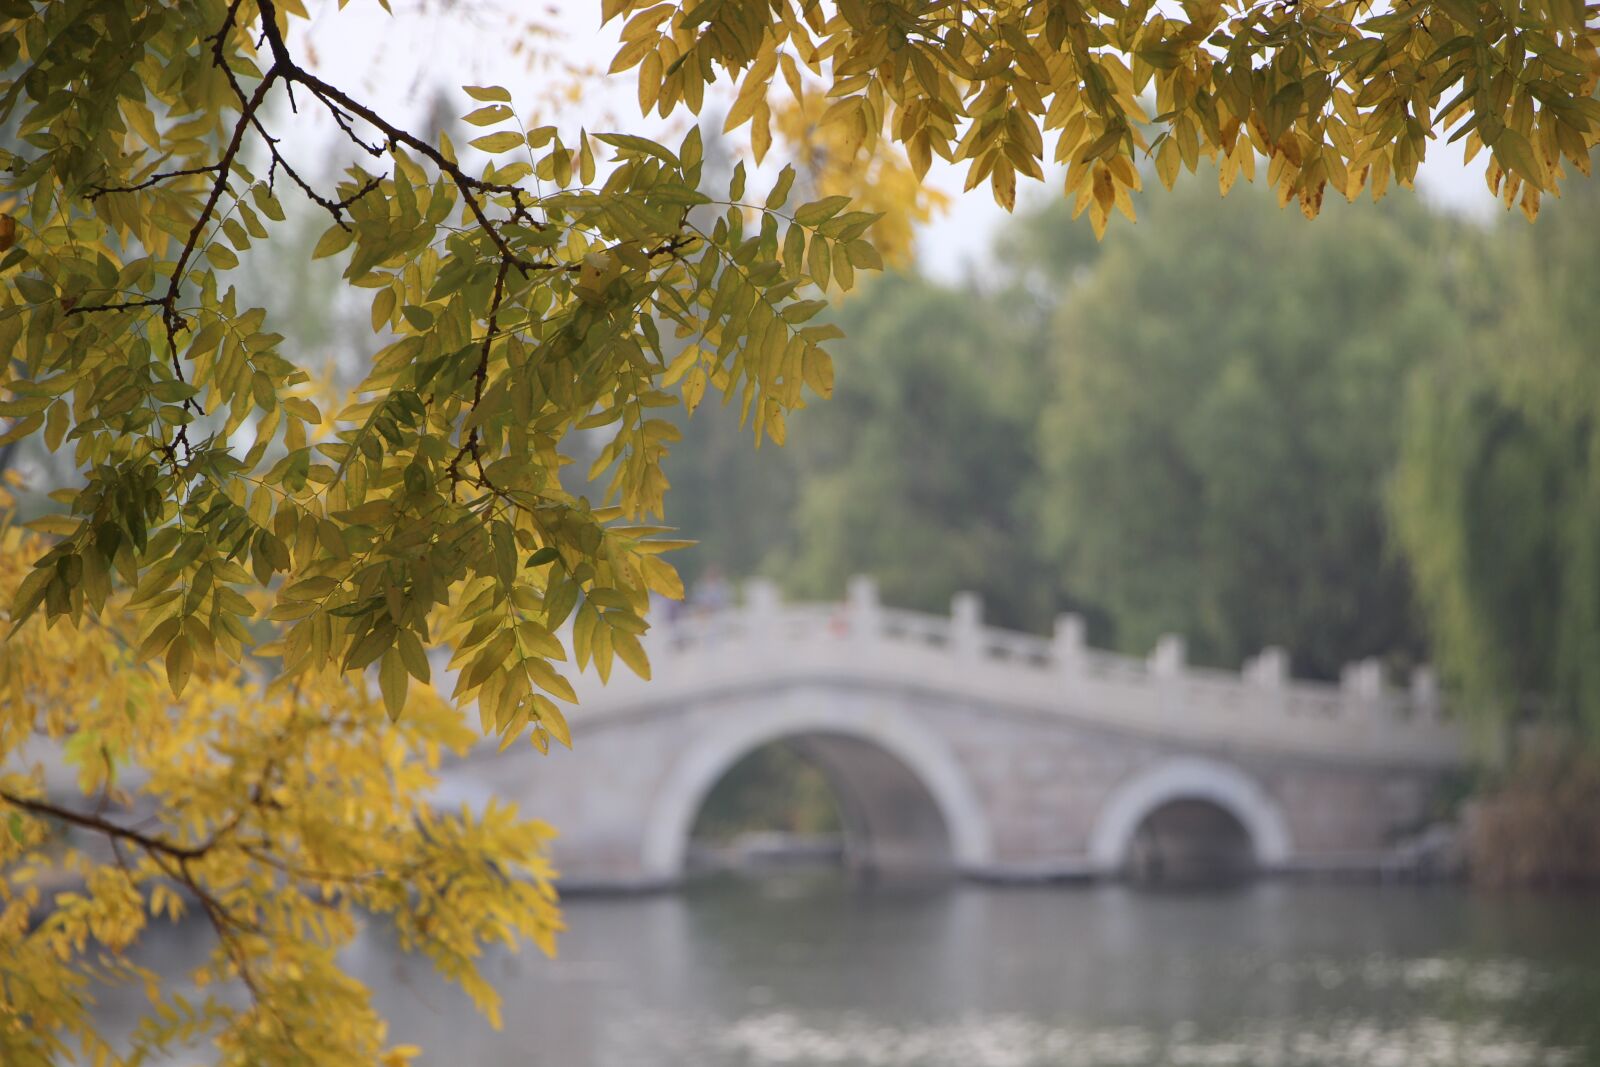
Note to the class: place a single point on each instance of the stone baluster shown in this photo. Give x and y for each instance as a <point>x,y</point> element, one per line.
<point>1361,684</point>
<point>1267,669</point>
<point>1067,644</point>
<point>762,603</point>
<point>1425,706</point>
<point>966,625</point>
<point>865,613</point>
<point>1170,656</point>
<point>1267,675</point>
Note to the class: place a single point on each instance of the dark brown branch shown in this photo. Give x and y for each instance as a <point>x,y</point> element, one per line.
<point>371,184</point>
<point>171,319</point>
<point>277,159</point>
<point>157,845</point>
<point>336,99</point>
<point>343,122</point>
<point>124,305</point>
<point>154,179</point>
<point>344,109</point>
<point>481,377</point>
<point>224,165</point>
<point>172,860</point>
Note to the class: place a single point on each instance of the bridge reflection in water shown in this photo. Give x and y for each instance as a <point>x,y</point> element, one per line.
<point>958,747</point>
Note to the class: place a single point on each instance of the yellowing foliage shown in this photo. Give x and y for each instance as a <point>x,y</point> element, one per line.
<point>551,296</point>
<point>1333,93</point>
<point>835,161</point>
<point>281,815</point>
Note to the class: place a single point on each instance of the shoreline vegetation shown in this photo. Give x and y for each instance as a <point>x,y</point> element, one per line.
<point>1538,824</point>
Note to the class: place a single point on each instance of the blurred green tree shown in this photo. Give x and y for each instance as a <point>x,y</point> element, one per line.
<point>1497,497</point>
<point>1225,413</point>
<point>736,502</point>
<point>915,472</point>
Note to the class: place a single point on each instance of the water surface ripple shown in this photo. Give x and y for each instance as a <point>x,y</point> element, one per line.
<point>808,970</point>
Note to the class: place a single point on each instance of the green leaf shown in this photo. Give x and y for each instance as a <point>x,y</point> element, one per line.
<point>487,116</point>
<point>413,655</point>
<point>420,318</point>
<point>335,240</point>
<point>821,211</point>
<point>801,310</point>
<point>504,141</point>
<point>487,93</point>
<point>221,256</point>
<point>393,681</point>
<point>180,664</point>
<point>780,191</point>
<point>267,202</point>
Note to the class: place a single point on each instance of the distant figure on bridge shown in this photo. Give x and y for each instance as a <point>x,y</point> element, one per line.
<point>712,593</point>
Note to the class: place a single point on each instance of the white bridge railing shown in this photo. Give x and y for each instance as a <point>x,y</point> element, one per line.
<point>962,634</point>
<point>959,654</point>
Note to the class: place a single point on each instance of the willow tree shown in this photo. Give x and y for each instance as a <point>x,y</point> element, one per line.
<point>1496,497</point>
<point>559,283</point>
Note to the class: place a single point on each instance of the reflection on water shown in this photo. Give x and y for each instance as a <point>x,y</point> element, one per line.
<point>803,969</point>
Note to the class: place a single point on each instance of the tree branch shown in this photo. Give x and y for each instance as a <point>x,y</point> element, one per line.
<point>481,376</point>
<point>149,843</point>
<point>154,179</point>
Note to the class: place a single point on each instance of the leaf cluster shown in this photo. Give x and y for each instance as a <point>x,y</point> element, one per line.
<point>565,289</point>
<point>280,817</point>
<point>1333,93</point>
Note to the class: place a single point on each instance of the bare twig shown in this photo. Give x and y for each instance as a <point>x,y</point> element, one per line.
<point>154,179</point>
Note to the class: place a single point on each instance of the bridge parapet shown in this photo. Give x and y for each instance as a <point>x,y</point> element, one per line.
<point>859,639</point>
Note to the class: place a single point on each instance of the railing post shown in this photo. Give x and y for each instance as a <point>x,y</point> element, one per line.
<point>865,613</point>
<point>1425,706</point>
<point>1067,643</point>
<point>966,625</point>
<point>762,602</point>
<point>1267,673</point>
<point>1169,657</point>
<point>1361,684</point>
<point>1267,669</point>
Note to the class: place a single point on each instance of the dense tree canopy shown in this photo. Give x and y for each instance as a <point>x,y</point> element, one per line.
<point>1218,447</point>
<point>1341,95</point>
<point>1099,432</point>
<point>920,428</point>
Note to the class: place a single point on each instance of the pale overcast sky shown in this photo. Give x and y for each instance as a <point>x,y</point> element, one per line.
<point>398,61</point>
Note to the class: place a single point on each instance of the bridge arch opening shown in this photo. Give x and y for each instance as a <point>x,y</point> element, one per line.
<point>1190,842</point>
<point>774,806</point>
<point>904,806</point>
<point>829,796</point>
<point>1190,821</point>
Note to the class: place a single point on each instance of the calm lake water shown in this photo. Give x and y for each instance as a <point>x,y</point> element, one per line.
<point>806,969</point>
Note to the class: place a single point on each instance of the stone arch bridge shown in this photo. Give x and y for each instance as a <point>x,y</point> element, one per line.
<point>994,754</point>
